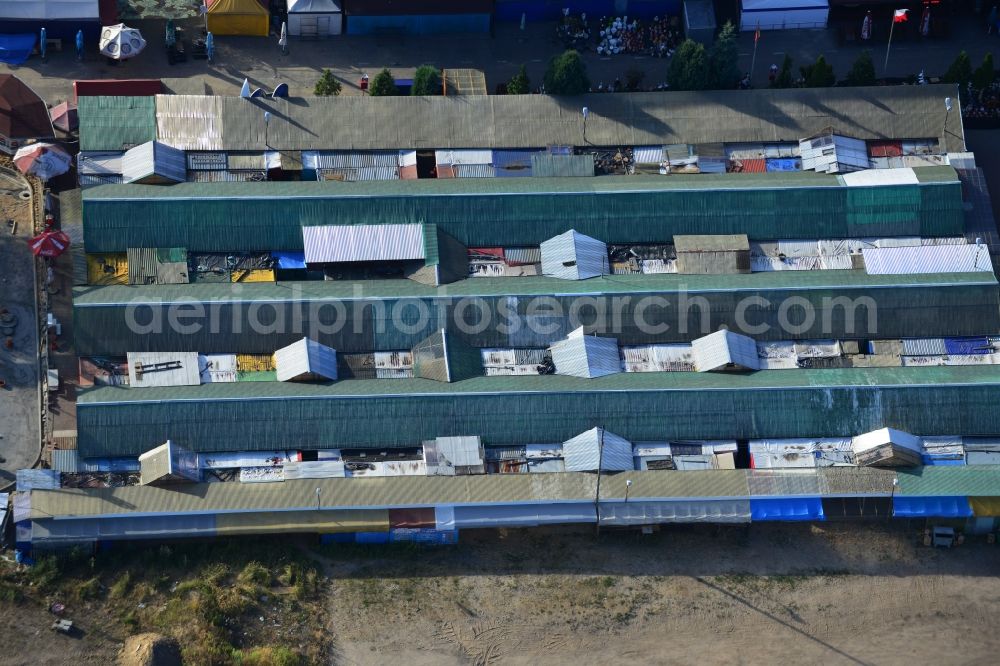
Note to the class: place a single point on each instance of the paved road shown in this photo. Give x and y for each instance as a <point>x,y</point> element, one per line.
<point>20,423</point>
<point>499,56</point>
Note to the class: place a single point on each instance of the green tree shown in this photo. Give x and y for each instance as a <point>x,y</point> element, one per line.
<point>984,74</point>
<point>784,78</point>
<point>519,84</point>
<point>567,75</point>
<point>723,59</point>
<point>327,86</point>
<point>689,67</point>
<point>426,81</point>
<point>383,85</point>
<point>819,74</point>
<point>862,71</point>
<point>960,71</point>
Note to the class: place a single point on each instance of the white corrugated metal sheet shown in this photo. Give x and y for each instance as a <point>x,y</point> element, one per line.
<point>147,369</point>
<point>66,461</point>
<point>587,356</point>
<point>446,456</point>
<point>313,469</point>
<point>832,153</point>
<point>883,436</point>
<point>207,161</point>
<point>474,171</point>
<point>583,452</point>
<point>190,122</point>
<point>456,157</point>
<point>677,357</point>
<point>154,160</point>
<point>216,368</point>
<point>725,348</point>
<point>647,154</point>
<point>229,460</point>
<point>928,259</point>
<point>349,159</point>
<point>573,256</point>
<point>925,347</point>
<point>879,177</point>
<point>305,357</point>
<point>363,242</point>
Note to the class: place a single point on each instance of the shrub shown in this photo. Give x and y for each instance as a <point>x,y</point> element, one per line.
<point>327,86</point>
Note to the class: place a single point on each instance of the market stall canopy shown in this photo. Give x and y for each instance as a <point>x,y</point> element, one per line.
<point>23,114</point>
<point>44,160</point>
<point>49,244</point>
<point>16,49</point>
<point>121,42</point>
<point>64,116</point>
<point>238,17</point>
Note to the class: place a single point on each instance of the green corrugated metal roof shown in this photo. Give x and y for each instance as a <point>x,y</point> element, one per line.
<point>552,384</point>
<point>92,296</point>
<point>514,410</point>
<point>482,212</point>
<point>971,481</point>
<point>116,123</point>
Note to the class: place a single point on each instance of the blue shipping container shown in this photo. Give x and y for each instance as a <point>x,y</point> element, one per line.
<point>418,25</point>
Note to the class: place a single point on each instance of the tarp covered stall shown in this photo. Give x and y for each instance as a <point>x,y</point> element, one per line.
<point>154,163</point>
<point>168,463</point>
<point>16,49</point>
<point>444,357</point>
<point>930,507</point>
<point>582,355</point>
<point>785,508</point>
<point>640,512</point>
<point>725,350</point>
<point>597,448</point>
<point>783,14</point>
<point>60,18</point>
<point>887,447</point>
<point>454,456</point>
<point>712,255</point>
<point>574,256</point>
<point>315,18</point>
<point>306,360</point>
<point>857,508</point>
<point>238,17</point>
<point>522,515</point>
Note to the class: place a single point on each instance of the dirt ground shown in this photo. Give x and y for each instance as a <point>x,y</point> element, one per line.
<point>769,594</point>
<point>831,594</point>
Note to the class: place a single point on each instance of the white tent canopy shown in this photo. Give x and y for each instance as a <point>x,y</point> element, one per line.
<point>315,18</point>
<point>54,10</point>
<point>121,42</point>
<point>783,14</point>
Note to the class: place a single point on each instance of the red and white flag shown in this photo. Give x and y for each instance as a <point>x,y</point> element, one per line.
<point>756,34</point>
<point>899,16</point>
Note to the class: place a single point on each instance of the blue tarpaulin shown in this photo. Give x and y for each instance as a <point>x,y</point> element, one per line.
<point>967,346</point>
<point>783,164</point>
<point>786,508</point>
<point>290,260</point>
<point>16,49</point>
<point>930,507</point>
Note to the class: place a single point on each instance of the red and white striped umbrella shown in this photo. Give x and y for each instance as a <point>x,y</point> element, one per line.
<point>49,244</point>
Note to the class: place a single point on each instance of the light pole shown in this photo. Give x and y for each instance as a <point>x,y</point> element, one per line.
<point>586,112</point>
<point>318,491</point>
<point>628,486</point>
<point>892,497</point>
<point>947,110</point>
<point>267,123</point>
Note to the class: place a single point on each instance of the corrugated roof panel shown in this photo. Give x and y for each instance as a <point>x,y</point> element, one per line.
<point>582,355</point>
<point>927,259</point>
<point>924,347</point>
<point>154,162</point>
<point>456,157</point>
<point>597,448</point>
<point>676,511</point>
<point>513,160</point>
<point>149,369</point>
<point>210,161</point>
<point>354,159</point>
<point>116,123</point>
<point>363,242</point>
<point>192,122</point>
<point>93,180</point>
<point>724,348</point>
<point>305,358</point>
<point>474,171</point>
<point>65,460</point>
<point>979,480</point>
<point>647,154</point>
<point>786,509</point>
<point>562,166</point>
<point>574,256</point>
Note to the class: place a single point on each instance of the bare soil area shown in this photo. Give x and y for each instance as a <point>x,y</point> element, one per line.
<point>766,594</point>
<point>700,595</point>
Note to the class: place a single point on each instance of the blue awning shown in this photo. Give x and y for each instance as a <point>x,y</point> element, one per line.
<point>16,49</point>
<point>930,507</point>
<point>786,508</point>
<point>290,259</point>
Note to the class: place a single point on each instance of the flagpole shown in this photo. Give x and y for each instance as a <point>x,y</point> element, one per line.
<point>753,61</point>
<point>885,67</point>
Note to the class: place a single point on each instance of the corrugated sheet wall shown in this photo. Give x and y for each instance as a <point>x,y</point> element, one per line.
<point>477,220</point>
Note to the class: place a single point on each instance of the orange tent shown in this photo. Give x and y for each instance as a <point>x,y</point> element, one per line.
<point>238,17</point>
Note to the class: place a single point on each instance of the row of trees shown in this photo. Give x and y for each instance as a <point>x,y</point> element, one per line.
<point>693,67</point>
<point>426,81</point>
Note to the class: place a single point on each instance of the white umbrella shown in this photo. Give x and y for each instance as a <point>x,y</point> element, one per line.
<point>44,160</point>
<point>121,42</point>
<point>245,89</point>
<point>283,40</point>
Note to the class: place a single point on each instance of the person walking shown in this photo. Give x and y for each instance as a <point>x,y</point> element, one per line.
<point>772,73</point>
